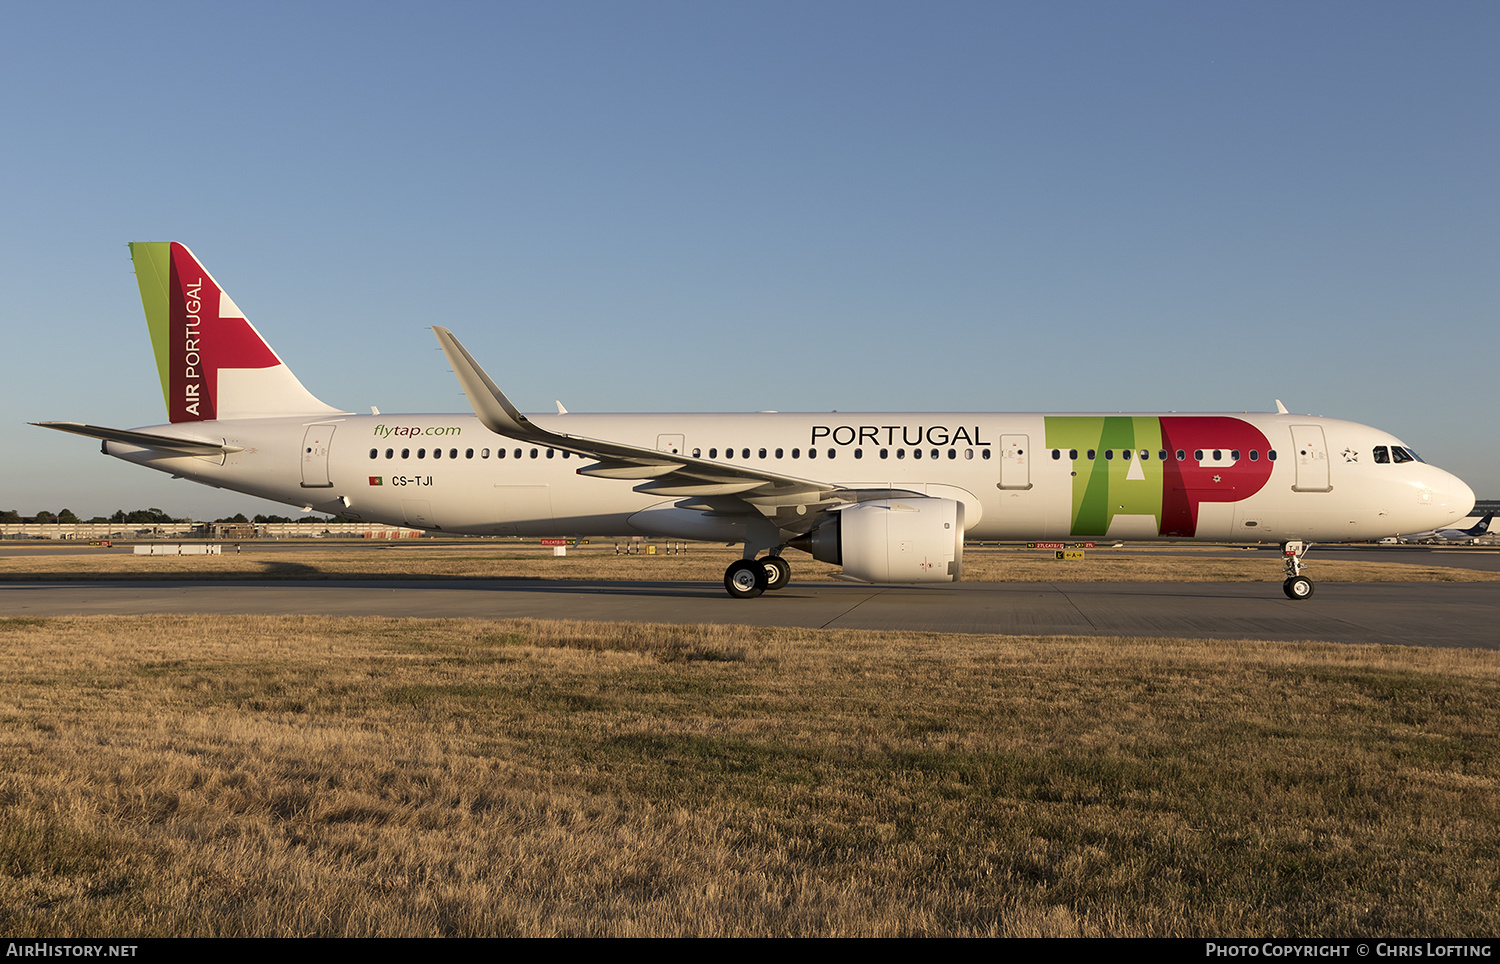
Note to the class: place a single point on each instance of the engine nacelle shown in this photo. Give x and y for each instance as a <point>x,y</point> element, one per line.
<point>893,540</point>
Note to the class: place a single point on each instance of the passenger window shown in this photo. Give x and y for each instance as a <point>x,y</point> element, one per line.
<point>1109,455</point>
<point>778,453</point>
<point>406,453</point>
<point>916,453</point>
<point>421,453</point>
<point>389,453</point>
<point>859,453</point>
<point>832,452</point>
<point>1161,456</point>
<point>1181,455</point>
<point>968,453</point>
<point>374,453</point>
<point>1255,455</point>
<point>901,453</point>
<point>796,453</point>
<point>1091,454</point>
<point>812,453</point>
<point>984,453</point>
<point>885,453</point>
<point>1271,455</point>
<point>1234,454</point>
<point>745,454</point>
<point>436,453</point>
<point>485,453</point>
<point>468,453</point>
<point>762,453</point>
<point>533,453</point>
<point>1197,455</point>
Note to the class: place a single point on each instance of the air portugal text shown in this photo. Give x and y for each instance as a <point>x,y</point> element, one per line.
<point>191,359</point>
<point>910,435</point>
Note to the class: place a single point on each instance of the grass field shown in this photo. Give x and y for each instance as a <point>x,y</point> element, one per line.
<point>305,776</point>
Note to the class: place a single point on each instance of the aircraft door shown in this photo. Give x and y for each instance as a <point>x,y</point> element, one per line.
<point>1015,462</point>
<point>1311,453</point>
<point>317,441</point>
<point>669,443</point>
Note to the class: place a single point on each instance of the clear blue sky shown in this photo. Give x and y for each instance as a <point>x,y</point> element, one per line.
<point>662,206</point>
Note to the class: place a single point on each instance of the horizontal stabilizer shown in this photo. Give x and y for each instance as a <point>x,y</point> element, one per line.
<point>146,440</point>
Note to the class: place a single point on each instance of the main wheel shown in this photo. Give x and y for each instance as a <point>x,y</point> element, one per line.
<point>745,579</point>
<point>778,572</point>
<point>1297,587</point>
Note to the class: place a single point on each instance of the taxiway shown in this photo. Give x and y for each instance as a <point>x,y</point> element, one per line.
<point>1429,614</point>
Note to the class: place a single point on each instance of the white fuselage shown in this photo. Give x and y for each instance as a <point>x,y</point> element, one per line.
<point>1243,477</point>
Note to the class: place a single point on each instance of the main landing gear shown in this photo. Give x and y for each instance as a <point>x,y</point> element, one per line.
<point>1297,586</point>
<point>748,578</point>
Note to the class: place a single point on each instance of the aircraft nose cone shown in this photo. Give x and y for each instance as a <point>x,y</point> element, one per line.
<point>1454,496</point>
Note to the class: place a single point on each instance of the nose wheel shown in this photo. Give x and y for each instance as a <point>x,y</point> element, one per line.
<point>1296,586</point>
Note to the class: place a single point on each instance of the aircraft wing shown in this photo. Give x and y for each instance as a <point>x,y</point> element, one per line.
<point>146,440</point>
<point>668,474</point>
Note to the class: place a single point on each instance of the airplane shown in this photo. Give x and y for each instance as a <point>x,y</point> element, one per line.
<point>1472,534</point>
<point>890,497</point>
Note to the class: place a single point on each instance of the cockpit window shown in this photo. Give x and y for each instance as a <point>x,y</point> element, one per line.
<point>1381,455</point>
<point>1399,454</point>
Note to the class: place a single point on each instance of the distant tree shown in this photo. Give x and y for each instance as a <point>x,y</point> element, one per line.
<point>44,517</point>
<point>141,517</point>
<point>238,517</point>
<point>10,515</point>
<point>67,516</point>
<point>272,518</point>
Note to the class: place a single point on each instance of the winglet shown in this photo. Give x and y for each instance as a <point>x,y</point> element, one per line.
<point>1280,408</point>
<point>494,410</point>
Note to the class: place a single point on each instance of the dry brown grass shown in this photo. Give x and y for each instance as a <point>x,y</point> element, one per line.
<point>702,563</point>
<point>307,776</point>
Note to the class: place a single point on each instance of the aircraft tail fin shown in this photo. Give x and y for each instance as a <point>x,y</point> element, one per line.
<point>212,362</point>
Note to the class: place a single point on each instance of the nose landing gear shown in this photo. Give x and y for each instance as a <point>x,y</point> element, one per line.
<point>1296,586</point>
